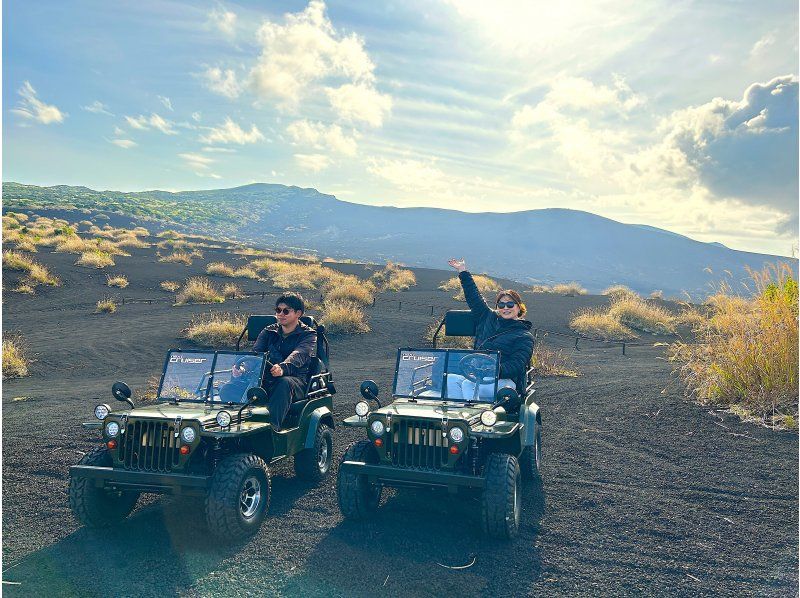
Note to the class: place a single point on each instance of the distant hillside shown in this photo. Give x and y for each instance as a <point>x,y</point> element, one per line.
<point>542,246</point>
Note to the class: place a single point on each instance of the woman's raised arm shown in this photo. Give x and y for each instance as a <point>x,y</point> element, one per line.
<point>473,296</point>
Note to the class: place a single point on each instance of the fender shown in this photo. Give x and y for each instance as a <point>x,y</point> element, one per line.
<point>529,418</point>
<point>320,414</point>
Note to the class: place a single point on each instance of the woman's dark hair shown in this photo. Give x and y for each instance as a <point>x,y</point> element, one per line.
<point>293,300</point>
<point>515,296</point>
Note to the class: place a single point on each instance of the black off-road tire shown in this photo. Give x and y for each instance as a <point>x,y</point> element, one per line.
<point>96,507</point>
<point>531,462</point>
<point>314,464</point>
<point>232,496</point>
<point>357,497</point>
<point>501,503</point>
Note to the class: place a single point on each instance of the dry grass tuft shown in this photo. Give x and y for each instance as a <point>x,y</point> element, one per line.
<point>73,244</point>
<point>599,323</point>
<point>746,354</point>
<point>568,288</point>
<point>28,245</point>
<point>199,290</point>
<point>118,280</point>
<point>357,293</point>
<point>638,314</point>
<point>15,362</point>
<point>550,363</point>
<point>25,288</point>
<point>343,318</point>
<point>170,285</point>
<point>484,284</point>
<point>232,291</point>
<point>170,234</point>
<point>106,306</point>
<point>620,291</point>
<point>657,294</point>
<point>177,257</point>
<point>220,269</point>
<point>541,288</point>
<point>393,278</point>
<point>95,259</point>
<point>215,329</point>
<point>37,273</point>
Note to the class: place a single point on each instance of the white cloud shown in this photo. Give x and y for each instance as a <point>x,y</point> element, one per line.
<point>124,143</point>
<point>223,20</point>
<point>196,116</point>
<point>230,132</point>
<point>199,164</point>
<point>312,162</point>
<point>154,121</point>
<point>304,50</point>
<point>762,44</point>
<point>98,107</point>
<point>360,103</point>
<point>320,137</point>
<point>32,108</point>
<point>223,82</point>
<point>166,102</point>
<point>118,132</point>
<point>219,150</point>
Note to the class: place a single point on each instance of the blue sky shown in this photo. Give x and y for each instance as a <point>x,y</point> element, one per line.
<point>681,115</point>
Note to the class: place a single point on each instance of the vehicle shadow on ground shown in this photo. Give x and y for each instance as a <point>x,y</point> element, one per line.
<point>423,542</point>
<point>162,549</point>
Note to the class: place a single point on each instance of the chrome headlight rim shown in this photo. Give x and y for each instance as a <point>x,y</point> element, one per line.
<point>377,427</point>
<point>112,429</point>
<point>488,418</point>
<point>456,434</point>
<point>101,411</point>
<point>362,409</point>
<point>223,419</point>
<point>188,434</point>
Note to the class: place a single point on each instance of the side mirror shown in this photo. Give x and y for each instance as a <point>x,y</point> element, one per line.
<point>507,395</point>
<point>122,392</point>
<point>369,390</point>
<point>256,394</point>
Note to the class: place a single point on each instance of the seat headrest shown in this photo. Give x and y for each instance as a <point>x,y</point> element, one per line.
<point>459,322</point>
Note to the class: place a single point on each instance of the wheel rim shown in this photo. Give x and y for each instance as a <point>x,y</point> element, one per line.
<point>322,456</point>
<point>517,503</point>
<point>250,498</point>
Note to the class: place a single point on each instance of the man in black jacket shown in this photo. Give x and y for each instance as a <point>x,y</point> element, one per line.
<point>291,346</point>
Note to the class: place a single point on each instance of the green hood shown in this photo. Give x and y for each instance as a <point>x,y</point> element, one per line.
<point>170,411</point>
<point>437,411</point>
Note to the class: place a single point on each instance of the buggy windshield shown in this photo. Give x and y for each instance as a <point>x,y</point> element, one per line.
<point>446,374</point>
<point>220,376</point>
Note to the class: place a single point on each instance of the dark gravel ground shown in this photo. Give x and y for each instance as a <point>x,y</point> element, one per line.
<point>644,493</point>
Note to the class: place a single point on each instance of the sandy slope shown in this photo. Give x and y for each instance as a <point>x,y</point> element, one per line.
<point>644,493</point>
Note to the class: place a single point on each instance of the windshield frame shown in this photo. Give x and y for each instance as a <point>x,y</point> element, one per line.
<point>209,376</point>
<point>443,398</point>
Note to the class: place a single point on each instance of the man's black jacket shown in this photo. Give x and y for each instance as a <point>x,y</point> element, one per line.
<point>511,337</point>
<point>293,351</point>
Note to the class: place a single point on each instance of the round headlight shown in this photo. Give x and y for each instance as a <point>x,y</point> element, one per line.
<point>488,418</point>
<point>112,429</point>
<point>188,434</point>
<point>377,427</point>
<point>101,411</point>
<point>224,419</point>
<point>456,434</point>
<point>362,408</point>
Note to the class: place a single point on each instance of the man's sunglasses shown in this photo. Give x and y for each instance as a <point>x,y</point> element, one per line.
<point>285,311</point>
<point>506,304</point>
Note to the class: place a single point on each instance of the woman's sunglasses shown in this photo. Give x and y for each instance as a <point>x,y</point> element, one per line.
<point>505,304</point>
<point>285,311</point>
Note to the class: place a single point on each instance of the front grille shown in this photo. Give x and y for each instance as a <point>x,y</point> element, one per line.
<point>149,445</point>
<point>418,443</point>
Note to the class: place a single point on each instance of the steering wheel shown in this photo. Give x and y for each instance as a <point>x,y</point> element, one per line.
<point>476,366</point>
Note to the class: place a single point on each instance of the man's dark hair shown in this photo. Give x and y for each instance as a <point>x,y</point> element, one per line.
<point>293,300</point>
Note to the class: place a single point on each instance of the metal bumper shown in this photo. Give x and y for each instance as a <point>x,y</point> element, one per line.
<point>399,476</point>
<point>143,481</point>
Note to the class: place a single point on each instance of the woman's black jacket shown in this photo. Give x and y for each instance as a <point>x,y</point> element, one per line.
<point>511,337</point>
